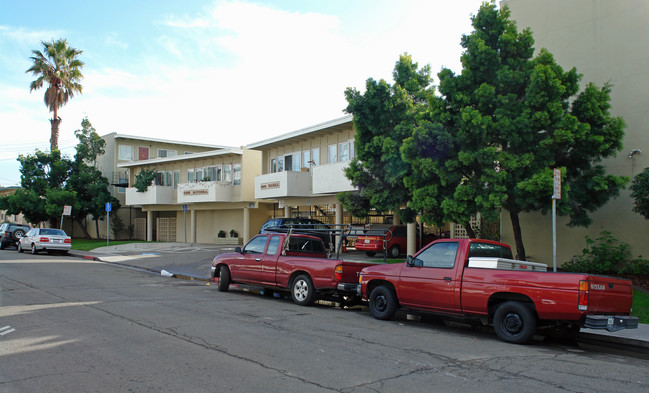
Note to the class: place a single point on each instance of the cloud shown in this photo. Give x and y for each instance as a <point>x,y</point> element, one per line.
<point>112,40</point>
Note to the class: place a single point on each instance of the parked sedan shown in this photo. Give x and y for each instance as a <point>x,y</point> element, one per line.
<point>45,239</point>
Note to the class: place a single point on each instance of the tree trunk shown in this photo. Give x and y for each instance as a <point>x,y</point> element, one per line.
<point>54,139</point>
<point>97,227</point>
<point>83,227</point>
<point>469,231</point>
<point>518,237</point>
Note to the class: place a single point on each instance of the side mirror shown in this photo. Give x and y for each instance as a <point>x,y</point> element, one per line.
<point>238,250</point>
<point>410,261</point>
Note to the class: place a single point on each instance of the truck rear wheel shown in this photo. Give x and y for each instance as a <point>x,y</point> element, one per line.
<point>514,322</point>
<point>383,302</point>
<point>302,290</point>
<point>224,278</point>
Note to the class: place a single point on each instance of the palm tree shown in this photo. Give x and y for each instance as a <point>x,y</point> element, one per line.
<point>59,66</point>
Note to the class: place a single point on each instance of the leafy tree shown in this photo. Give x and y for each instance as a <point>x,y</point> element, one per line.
<point>640,193</point>
<point>59,67</point>
<point>383,117</point>
<point>90,186</point>
<point>504,123</point>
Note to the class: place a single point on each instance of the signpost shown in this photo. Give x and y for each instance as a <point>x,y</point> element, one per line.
<point>555,196</point>
<point>108,209</point>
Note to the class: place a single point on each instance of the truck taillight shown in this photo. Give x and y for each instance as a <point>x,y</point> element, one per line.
<point>583,296</point>
<point>338,273</point>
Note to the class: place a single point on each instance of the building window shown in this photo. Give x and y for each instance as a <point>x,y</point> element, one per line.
<point>227,172</point>
<point>306,157</point>
<point>159,179</point>
<point>190,175</point>
<point>168,178</point>
<point>315,156</point>
<point>166,153</point>
<point>199,172</point>
<point>125,153</point>
<point>176,179</point>
<point>296,161</point>
<point>273,165</point>
<point>280,164</point>
<point>214,173</point>
<point>333,154</point>
<point>236,174</point>
<point>343,149</point>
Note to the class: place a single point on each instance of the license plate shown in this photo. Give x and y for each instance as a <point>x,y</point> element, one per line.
<point>58,241</point>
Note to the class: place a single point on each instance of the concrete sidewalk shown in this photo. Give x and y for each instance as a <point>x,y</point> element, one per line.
<point>150,257</point>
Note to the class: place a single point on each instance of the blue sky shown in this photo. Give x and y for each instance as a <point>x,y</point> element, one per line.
<point>219,72</point>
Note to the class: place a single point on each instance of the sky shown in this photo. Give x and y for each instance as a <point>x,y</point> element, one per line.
<point>217,72</point>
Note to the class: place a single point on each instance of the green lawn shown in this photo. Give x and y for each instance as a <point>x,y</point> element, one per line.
<point>87,245</point>
<point>641,305</point>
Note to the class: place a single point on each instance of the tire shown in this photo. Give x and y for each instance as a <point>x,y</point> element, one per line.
<point>224,278</point>
<point>18,233</point>
<point>370,253</point>
<point>302,290</point>
<point>394,251</point>
<point>383,302</point>
<point>34,250</point>
<point>514,322</point>
<point>2,245</point>
<point>20,248</point>
<point>563,331</point>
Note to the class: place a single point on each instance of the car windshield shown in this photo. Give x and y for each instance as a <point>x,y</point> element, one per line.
<point>55,232</point>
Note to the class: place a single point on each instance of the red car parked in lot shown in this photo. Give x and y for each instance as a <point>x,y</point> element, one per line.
<point>395,238</point>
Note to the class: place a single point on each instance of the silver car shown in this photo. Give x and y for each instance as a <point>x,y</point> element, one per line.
<point>45,239</point>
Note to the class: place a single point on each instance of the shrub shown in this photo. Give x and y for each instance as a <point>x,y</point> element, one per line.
<point>606,255</point>
<point>144,179</point>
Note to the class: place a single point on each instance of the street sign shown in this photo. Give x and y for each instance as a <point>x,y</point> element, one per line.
<point>557,184</point>
<point>184,208</point>
<point>108,206</point>
<point>67,210</point>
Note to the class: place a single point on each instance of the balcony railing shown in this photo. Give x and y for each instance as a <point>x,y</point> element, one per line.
<point>283,184</point>
<point>330,178</point>
<point>205,191</point>
<point>154,195</point>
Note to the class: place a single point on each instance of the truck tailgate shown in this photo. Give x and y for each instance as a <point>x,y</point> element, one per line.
<point>607,295</point>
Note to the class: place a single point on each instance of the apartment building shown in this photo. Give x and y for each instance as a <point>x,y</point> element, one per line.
<point>607,41</point>
<point>194,197</point>
<point>303,170</point>
<point>122,148</point>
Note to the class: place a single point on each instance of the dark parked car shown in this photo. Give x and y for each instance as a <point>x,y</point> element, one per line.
<point>300,225</point>
<point>10,233</point>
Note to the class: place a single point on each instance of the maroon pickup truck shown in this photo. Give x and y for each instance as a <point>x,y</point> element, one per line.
<point>477,279</point>
<point>283,262</point>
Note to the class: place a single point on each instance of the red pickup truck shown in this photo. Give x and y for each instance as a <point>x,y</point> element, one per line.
<point>282,262</point>
<point>477,279</point>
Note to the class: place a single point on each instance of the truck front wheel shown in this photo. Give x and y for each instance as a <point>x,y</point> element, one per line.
<point>383,302</point>
<point>302,290</point>
<point>224,278</point>
<point>514,322</point>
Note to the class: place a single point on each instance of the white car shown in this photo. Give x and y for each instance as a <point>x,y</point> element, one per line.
<point>45,239</point>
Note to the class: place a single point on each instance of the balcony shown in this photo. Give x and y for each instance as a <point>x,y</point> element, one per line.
<point>154,195</point>
<point>205,191</point>
<point>330,178</point>
<point>283,185</point>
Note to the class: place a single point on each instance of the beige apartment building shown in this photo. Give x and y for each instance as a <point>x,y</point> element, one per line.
<point>607,41</point>
<point>196,196</point>
<point>302,171</point>
<point>121,148</point>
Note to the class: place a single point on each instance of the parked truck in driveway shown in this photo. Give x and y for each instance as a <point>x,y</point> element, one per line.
<point>478,279</point>
<point>289,262</point>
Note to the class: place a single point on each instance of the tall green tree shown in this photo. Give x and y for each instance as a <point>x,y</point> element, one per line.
<point>383,117</point>
<point>505,122</point>
<point>58,67</point>
<point>89,184</point>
